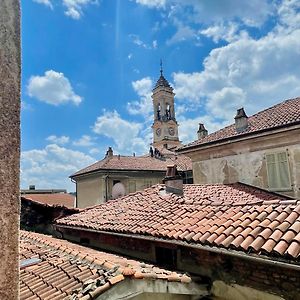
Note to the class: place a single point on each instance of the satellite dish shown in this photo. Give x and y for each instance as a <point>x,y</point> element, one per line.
<point>118,190</point>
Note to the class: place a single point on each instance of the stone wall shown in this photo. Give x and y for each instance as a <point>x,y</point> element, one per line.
<point>10,66</point>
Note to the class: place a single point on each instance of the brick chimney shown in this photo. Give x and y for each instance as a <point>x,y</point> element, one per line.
<point>241,120</point>
<point>202,131</point>
<point>173,181</point>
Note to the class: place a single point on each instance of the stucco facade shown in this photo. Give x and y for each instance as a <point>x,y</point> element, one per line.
<point>97,188</point>
<point>244,160</point>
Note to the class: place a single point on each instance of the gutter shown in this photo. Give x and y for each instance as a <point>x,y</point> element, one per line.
<point>232,253</point>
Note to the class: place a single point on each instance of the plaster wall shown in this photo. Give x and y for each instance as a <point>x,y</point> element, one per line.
<point>160,296</point>
<point>10,67</point>
<point>223,291</point>
<point>246,162</point>
<point>91,190</point>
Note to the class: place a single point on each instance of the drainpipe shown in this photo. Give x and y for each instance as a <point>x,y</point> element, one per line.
<point>72,180</point>
<point>106,187</point>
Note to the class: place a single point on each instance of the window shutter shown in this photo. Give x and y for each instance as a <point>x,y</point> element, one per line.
<point>278,171</point>
<point>271,169</point>
<point>283,171</point>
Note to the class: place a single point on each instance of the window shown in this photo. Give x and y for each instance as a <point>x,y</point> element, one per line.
<point>166,257</point>
<point>278,171</point>
<point>132,186</point>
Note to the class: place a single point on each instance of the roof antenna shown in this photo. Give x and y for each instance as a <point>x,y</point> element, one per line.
<point>161,68</point>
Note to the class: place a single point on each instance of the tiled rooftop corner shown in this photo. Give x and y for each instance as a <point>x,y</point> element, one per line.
<point>231,216</point>
<point>284,114</point>
<point>57,269</point>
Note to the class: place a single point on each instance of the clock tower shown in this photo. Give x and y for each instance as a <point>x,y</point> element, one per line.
<point>165,126</point>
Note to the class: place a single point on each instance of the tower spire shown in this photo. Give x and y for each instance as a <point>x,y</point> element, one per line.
<point>161,68</point>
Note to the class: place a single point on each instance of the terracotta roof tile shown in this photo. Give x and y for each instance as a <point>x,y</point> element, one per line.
<point>286,113</point>
<point>252,228</point>
<point>65,270</point>
<point>57,199</point>
<point>140,163</point>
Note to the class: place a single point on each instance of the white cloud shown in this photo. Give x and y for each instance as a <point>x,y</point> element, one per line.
<point>137,41</point>
<point>53,88</point>
<point>183,33</point>
<point>188,127</point>
<point>143,88</point>
<point>254,73</point>
<point>223,31</point>
<point>125,134</point>
<point>50,167</point>
<point>84,141</point>
<point>45,2</point>
<point>61,140</point>
<point>154,44</point>
<point>74,8</point>
<point>210,11</point>
<point>152,3</point>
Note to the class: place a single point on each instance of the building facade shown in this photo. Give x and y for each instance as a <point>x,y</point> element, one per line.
<point>118,175</point>
<point>261,150</point>
<point>241,240</point>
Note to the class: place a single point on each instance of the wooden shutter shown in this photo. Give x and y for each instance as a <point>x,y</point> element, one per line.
<point>278,171</point>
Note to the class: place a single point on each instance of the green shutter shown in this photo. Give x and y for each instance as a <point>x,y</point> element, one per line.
<point>278,171</point>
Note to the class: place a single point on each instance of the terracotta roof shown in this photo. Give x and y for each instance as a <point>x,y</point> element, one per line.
<point>57,269</point>
<point>231,216</point>
<point>283,114</point>
<point>56,199</point>
<point>138,163</point>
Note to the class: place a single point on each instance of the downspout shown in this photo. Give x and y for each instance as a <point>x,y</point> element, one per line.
<point>106,187</point>
<point>74,181</point>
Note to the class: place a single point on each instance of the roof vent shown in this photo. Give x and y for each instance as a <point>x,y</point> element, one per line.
<point>109,152</point>
<point>202,131</point>
<point>173,180</point>
<point>241,120</point>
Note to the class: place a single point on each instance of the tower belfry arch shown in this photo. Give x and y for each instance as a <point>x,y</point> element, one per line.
<point>165,126</point>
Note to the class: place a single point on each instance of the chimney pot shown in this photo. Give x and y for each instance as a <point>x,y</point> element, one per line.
<point>241,120</point>
<point>173,180</point>
<point>202,131</point>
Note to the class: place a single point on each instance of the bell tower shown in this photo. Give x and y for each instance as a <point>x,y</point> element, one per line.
<point>165,126</point>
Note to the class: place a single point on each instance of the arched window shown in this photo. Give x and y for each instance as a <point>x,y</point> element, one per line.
<point>158,112</point>
<point>168,112</point>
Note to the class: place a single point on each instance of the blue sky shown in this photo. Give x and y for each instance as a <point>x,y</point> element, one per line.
<point>89,67</point>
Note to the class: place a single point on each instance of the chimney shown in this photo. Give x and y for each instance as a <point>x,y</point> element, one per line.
<point>241,120</point>
<point>202,131</point>
<point>173,181</point>
<point>109,152</point>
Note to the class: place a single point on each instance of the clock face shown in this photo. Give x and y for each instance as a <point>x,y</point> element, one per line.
<point>158,131</point>
<point>171,131</point>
